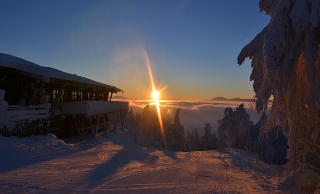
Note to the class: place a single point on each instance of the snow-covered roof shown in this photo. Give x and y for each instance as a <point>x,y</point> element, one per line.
<point>20,64</point>
<point>57,74</point>
<point>46,73</point>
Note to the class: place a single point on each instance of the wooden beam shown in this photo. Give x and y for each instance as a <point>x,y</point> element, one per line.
<point>111,96</point>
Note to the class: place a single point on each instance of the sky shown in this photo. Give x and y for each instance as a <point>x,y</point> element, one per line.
<point>192,45</point>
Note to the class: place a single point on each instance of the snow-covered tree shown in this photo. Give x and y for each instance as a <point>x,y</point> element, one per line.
<point>208,138</point>
<point>215,141</point>
<point>286,65</point>
<point>179,132</point>
<point>188,142</point>
<point>130,122</point>
<point>146,131</point>
<point>233,128</point>
<point>252,134</point>
<point>271,146</point>
<point>145,121</point>
<point>175,135</point>
<point>176,120</point>
<point>195,141</point>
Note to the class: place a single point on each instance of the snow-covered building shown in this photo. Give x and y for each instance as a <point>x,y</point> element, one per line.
<point>68,102</point>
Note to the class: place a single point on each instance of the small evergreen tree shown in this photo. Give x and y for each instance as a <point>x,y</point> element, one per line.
<point>207,139</point>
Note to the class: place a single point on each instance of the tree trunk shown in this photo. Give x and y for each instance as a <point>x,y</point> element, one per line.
<point>292,147</point>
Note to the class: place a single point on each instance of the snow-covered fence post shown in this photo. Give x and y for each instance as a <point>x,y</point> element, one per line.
<point>3,107</point>
<point>47,109</point>
<point>47,105</point>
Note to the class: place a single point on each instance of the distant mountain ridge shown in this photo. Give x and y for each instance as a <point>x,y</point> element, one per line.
<point>219,98</point>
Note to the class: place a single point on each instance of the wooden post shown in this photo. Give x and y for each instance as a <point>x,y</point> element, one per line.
<point>111,96</point>
<point>107,96</point>
<point>110,118</point>
<point>104,124</point>
<point>97,128</point>
<point>96,96</point>
<point>115,120</point>
<point>91,125</point>
<point>123,116</point>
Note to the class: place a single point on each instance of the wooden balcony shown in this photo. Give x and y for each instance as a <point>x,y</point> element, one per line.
<point>30,112</point>
<point>91,108</point>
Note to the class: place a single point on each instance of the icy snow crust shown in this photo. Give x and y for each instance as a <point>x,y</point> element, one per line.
<point>45,73</point>
<point>48,141</point>
<point>114,164</point>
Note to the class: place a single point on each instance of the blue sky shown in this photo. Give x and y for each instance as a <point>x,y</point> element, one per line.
<point>192,45</point>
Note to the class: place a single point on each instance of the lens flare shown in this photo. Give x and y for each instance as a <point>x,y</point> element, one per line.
<point>155,95</point>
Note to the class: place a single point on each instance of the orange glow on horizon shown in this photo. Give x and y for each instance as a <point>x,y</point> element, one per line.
<point>155,95</point>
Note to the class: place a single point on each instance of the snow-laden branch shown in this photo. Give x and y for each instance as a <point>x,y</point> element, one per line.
<point>286,65</point>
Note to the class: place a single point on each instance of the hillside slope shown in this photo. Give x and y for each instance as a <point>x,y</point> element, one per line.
<point>114,164</point>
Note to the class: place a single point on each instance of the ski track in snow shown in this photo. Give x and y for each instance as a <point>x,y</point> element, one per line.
<point>115,165</point>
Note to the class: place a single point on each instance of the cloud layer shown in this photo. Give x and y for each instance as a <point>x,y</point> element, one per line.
<point>194,114</point>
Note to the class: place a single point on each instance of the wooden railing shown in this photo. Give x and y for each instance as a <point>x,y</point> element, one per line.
<point>91,108</point>
<point>15,112</point>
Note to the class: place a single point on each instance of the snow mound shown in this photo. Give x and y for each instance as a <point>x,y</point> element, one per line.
<point>305,180</point>
<point>48,141</point>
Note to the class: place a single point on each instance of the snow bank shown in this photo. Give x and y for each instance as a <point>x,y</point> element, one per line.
<point>305,180</point>
<point>48,141</point>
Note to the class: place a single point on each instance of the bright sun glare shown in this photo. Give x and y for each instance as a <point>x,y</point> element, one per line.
<point>155,95</point>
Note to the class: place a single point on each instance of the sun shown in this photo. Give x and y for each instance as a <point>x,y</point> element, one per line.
<point>155,95</point>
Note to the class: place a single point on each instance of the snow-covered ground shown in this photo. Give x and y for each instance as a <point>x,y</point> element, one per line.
<point>114,164</point>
